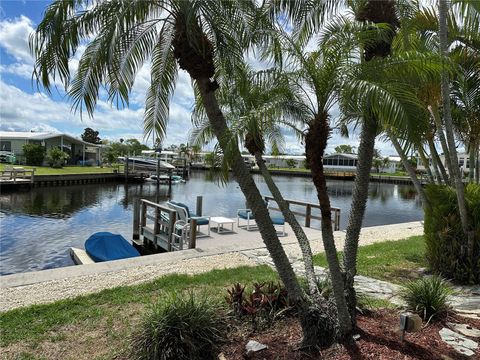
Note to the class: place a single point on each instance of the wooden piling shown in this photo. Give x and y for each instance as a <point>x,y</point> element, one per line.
<point>199,206</point>
<point>136,219</point>
<point>193,234</point>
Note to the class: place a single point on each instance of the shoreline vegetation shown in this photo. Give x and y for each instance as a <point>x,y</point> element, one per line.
<point>71,170</point>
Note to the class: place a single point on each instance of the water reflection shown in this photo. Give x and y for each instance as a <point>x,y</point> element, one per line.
<point>37,227</point>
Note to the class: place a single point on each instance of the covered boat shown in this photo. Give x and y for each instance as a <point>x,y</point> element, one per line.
<point>105,246</point>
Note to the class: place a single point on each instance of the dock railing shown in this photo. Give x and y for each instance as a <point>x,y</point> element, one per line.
<point>156,223</point>
<point>17,174</point>
<point>308,211</point>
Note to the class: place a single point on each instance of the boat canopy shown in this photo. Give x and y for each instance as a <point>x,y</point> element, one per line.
<point>105,246</point>
<point>147,162</point>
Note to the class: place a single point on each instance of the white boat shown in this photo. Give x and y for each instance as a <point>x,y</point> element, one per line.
<point>140,162</point>
<point>164,179</point>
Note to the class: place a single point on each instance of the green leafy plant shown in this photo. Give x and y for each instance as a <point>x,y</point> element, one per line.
<point>428,296</point>
<point>266,301</point>
<point>180,327</point>
<point>56,157</point>
<point>34,154</point>
<point>446,250</point>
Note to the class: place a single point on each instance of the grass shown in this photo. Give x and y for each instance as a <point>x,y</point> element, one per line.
<point>44,170</point>
<point>394,261</point>
<point>399,174</point>
<point>39,323</point>
<point>98,326</point>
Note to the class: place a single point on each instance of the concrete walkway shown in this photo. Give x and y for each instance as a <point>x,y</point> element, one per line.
<point>218,251</point>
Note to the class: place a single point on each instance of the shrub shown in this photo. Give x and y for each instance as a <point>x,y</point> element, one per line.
<point>445,242</point>
<point>427,296</point>
<point>56,157</point>
<point>34,154</point>
<point>179,327</point>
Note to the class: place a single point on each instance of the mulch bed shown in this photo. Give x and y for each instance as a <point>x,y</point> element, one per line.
<point>378,340</point>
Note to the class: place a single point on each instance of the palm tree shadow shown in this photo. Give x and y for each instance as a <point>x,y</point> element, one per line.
<point>405,348</point>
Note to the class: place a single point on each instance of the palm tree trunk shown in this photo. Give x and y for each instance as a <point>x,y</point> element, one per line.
<point>377,12</point>
<point>471,161</point>
<point>426,164</point>
<point>447,116</point>
<point>318,323</point>
<point>292,220</point>
<point>441,136</point>
<point>357,209</point>
<point>477,165</point>
<point>410,169</point>
<point>437,161</point>
<point>315,144</point>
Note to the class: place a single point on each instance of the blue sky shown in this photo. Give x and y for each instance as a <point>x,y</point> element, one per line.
<point>24,107</point>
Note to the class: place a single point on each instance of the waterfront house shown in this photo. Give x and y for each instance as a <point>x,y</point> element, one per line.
<point>79,151</point>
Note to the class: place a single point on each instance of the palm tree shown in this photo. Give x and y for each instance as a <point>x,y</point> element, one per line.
<point>191,35</point>
<point>254,104</point>
<point>315,75</point>
<point>447,118</point>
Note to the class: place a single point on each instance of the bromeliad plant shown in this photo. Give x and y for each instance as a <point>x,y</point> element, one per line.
<point>266,301</point>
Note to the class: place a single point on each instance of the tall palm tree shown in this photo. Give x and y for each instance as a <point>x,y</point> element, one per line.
<point>447,118</point>
<point>192,35</point>
<point>256,104</point>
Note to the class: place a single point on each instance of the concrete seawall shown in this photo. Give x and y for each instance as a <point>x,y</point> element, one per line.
<point>221,251</point>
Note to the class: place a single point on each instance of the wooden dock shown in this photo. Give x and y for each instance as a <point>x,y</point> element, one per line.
<point>154,226</point>
<point>15,176</point>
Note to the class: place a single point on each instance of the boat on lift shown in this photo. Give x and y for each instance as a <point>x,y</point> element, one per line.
<point>164,179</point>
<point>148,163</point>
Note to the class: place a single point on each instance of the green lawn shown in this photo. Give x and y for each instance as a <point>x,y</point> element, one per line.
<point>399,174</point>
<point>44,170</point>
<point>394,261</point>
<point>39,323</point>
<point>98,326</point>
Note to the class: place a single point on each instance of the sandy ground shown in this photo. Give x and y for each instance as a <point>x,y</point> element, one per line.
<point>50,291</point>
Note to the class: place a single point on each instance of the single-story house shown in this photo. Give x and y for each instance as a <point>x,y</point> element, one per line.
<point>79,151</point>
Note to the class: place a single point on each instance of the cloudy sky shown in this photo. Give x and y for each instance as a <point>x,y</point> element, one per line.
<point>24,107</point>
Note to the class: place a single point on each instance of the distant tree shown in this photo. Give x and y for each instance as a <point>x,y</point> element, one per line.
<point>34,154</point>
<point>345,149</point>
<point>291,163</point>
<point>377,164</point>
<point>91,136</point>
<point>377,161</point>
<point>134,147</point>
<point>275,151</point>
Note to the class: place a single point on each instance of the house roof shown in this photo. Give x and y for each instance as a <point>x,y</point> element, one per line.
<point>26,135</point>
<point>348,156</point>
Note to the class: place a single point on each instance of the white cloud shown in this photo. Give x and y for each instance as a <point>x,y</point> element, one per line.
<point>14,36</point>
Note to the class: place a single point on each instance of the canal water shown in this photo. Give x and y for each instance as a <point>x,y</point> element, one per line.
<point>38,227</point>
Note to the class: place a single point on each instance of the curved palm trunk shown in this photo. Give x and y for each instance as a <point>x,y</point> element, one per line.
<point>292,220</point>
<point>410,169</point>
<point>250,190</point>
<point>437,161</point>
<point>317,320</point>
<point>315,144</point>
<point>471,161</point>
<point>426,164</point>
<point>447,117</point>
<point>200,67</point>
<point>357,209</point>
<point>477,166</point>
<point>441,136</point>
